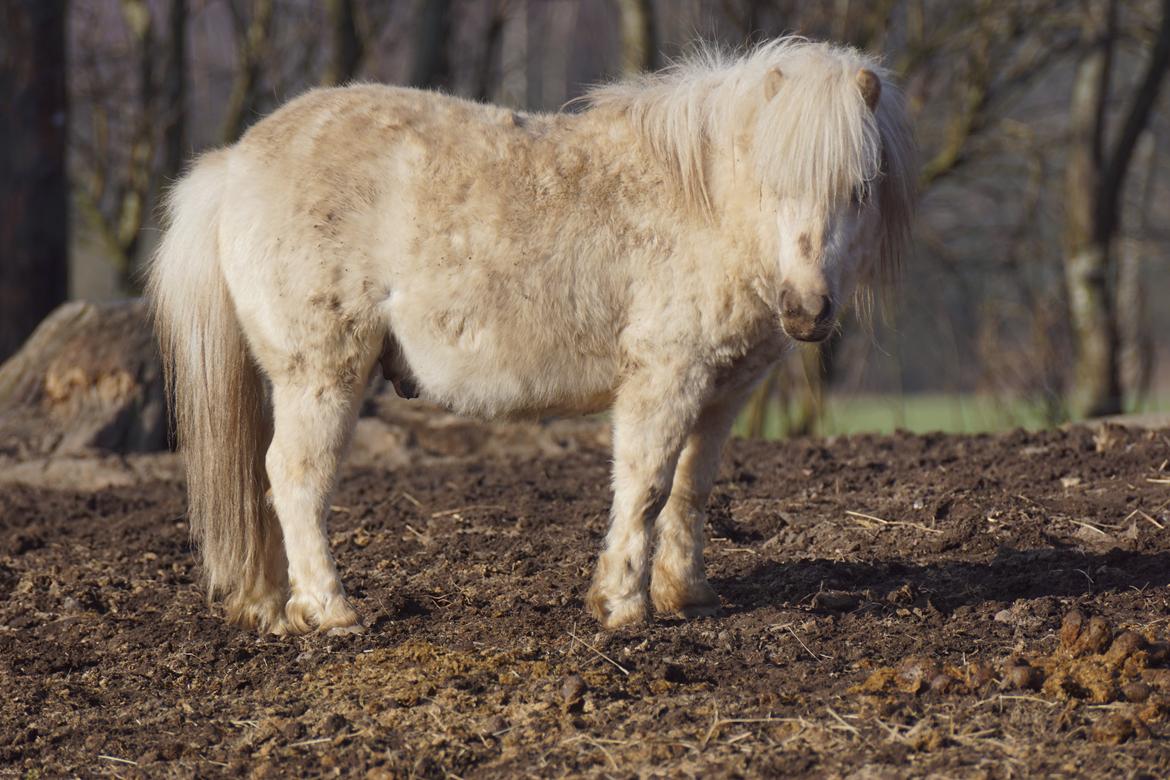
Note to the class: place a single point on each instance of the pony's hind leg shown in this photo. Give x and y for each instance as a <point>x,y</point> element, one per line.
<point>313,421</point>
<point>259,602</point>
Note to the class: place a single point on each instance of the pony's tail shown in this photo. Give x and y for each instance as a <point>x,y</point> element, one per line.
<point>221,417</point>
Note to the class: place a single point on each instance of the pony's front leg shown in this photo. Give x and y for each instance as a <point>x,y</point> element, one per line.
<point>312,426</point>
<point>678,584</point>
<point>653,413</point>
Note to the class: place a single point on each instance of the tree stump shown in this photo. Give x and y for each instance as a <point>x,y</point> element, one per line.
<point>88,379</point>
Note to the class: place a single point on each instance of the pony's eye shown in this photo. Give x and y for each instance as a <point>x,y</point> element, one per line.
<point>858,194</point>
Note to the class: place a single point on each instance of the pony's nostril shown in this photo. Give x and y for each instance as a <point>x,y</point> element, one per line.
<point>788,305</point>
<point>826,311</point>
<point>813,309</point>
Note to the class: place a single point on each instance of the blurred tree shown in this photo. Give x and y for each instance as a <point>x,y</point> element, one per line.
<point>432,56</point>
<point>347,47</point>
<point>116,188</point>
<point>639,44</point>
<point>489,69</point>
<point>174,89</point>
<point>1137,342</point>
<point>34,192</point>
<point>115,204</point>
<point>252,25</point>
<point>1094,181</point>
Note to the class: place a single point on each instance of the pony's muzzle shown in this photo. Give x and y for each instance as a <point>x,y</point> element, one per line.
<point>806,317</point>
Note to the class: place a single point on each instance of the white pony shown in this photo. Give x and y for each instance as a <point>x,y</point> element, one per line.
<point>652,254</point>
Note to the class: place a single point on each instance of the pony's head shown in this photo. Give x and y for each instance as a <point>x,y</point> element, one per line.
<point>833,153</point>
<point>818,131</point>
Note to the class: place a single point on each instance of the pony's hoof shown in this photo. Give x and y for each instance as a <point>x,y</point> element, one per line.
<point>614,613</point>
<point>304,613</point>
<point>264,614</point>
<point>691,611</point>
<point>354,630</point>
<point>693,601</point>
<point>280,628</point>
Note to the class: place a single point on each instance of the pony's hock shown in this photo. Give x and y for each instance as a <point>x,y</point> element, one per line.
<point>652,254</point>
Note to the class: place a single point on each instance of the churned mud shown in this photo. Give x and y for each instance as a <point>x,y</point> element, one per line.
<point>989,606</point>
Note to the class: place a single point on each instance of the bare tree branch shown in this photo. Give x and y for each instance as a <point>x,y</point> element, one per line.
<point>175,93</point>
<point>347,48</point>
<point>639,47</point>
<point>491,51</point>
<point>1116,163</point>
<point>252,42</point>
<point>432,65</point>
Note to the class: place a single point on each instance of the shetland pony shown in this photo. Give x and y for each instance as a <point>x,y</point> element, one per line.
<point>652,254</point>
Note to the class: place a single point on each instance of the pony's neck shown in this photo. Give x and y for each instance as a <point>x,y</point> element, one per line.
<point>737,233</point>
<point>732,197</point>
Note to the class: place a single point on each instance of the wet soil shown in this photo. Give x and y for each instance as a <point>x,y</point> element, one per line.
<point>893,606</point>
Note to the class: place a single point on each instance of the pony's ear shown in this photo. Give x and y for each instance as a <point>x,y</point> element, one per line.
<point>772,83</point>
<point>870,86</point>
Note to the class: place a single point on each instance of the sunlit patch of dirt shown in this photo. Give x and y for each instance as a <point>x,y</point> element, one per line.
<point>1093,664</point>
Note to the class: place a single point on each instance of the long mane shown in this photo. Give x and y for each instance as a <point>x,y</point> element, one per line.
<point>816,138</point>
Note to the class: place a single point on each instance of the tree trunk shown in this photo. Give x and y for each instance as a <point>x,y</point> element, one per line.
<point>1098,384</point>
<point>490,66</point>
<point>1097,389</point>
<point>1136,359</point>
<point>133,207</point>
<point>175,94</point>
<point>1094,185</point>
<point>346,46</point>
<point>639,47</point>
<point>252,40</point>
<point>432,63</point>
<point>34,201</point>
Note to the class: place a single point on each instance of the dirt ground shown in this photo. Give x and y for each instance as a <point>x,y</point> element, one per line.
<point>987,606</point>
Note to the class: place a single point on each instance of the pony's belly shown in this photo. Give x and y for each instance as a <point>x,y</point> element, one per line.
<point>485,375</point>
<point>493,389</point>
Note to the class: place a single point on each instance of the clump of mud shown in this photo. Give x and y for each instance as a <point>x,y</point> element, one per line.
<point>1125,673</point>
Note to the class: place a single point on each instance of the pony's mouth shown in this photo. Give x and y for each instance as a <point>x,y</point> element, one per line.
<point>808,330</point>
